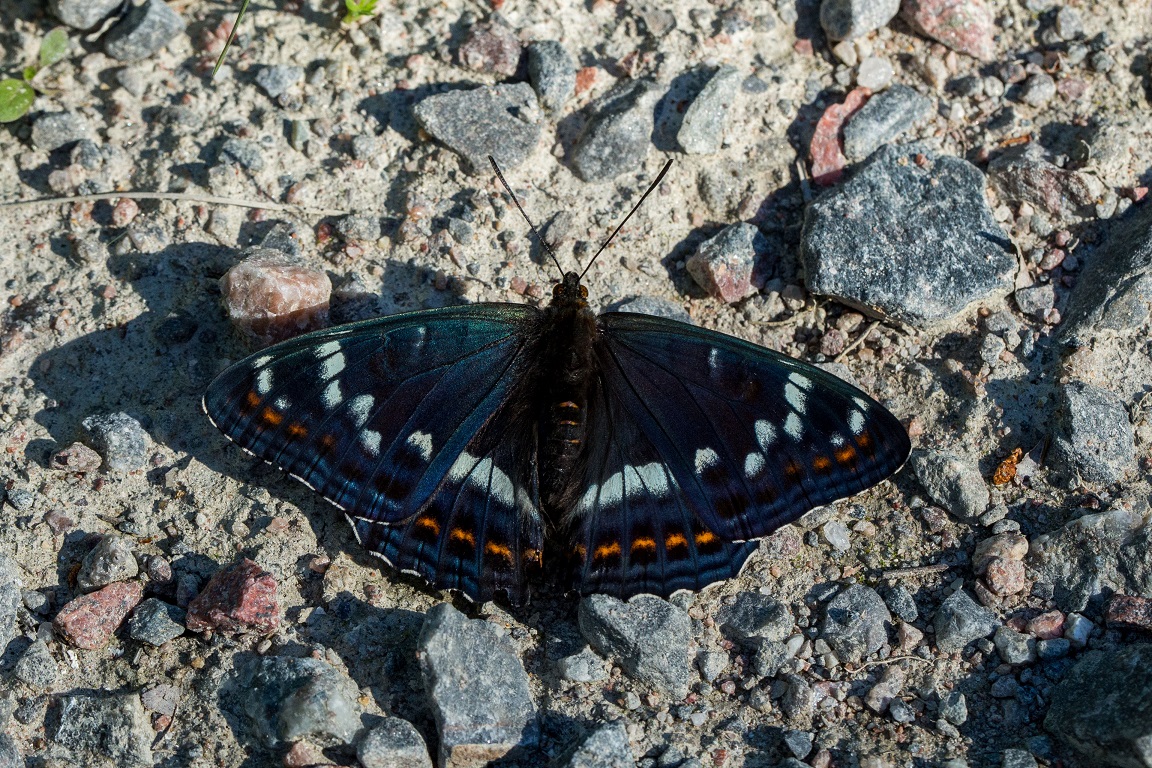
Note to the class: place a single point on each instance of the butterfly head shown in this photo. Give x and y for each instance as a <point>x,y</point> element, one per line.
<point>569,292</point>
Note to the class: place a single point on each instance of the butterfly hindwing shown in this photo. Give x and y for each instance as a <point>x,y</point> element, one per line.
<point>717,441</point>
<point>405,423</point>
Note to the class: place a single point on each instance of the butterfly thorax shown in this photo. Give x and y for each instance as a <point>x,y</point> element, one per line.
<point>568,334</point>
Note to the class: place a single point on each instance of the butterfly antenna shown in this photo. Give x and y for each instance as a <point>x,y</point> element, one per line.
<point>536,232</point>
<point>652,186</point>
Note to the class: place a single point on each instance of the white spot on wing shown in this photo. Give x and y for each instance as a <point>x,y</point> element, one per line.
<point>765,433</point>
<point>370,439</point>
<point>753,465</point>
<point>282,404</point>
<point>333,364</point>
<point>795,397</point>
<point>264,381</point>
<point>794,426</point>
<point>836,439</point>
<point>261,361</point>
<point>462,466</point>
<point>332,396</point>
<point>713,359</point>
<point>800,380</point>
<point>360,407</point>
<point>861,403</point>
<point>856,422</point>
<point>654,476</point>
<point>650,479</point>
<point>705,458</point>
<point>421,441</point>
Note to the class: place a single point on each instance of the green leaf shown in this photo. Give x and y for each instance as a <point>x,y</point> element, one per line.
<point>358,9</point>
<point>16,98</point>
<point>53,47</point>
<point>29,72</point>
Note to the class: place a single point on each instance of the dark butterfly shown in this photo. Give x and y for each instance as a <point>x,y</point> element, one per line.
<point>625,453</point>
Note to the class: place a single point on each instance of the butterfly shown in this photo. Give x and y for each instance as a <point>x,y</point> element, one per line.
<point>481,446</point>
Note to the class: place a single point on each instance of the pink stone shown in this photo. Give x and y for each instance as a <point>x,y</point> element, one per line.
<point>491,47</point>
<point>1129,612</point>
<point>1008,546</point>
<point>1004,577</point>
<point>826,152</point>
<point>271,296</point>
<point>239,598</point>
<point>963,25</point>
<point>723,265</point>
<point>1047,626</point>
<point>90,620</point>
<point>124,212</point>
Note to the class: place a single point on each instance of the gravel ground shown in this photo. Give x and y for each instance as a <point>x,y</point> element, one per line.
<point>942,201</point>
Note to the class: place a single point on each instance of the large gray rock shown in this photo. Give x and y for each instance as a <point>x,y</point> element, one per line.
<point>702,130</point>
<point>953,482</point>
<point>498,120</point>
<point>94,730</point>
<point>883,119</point>
<point>110,560</point>
<point>1094,437</point>
<point>755,617</point>
<point>647,636</point>
<point>147,28</point>
<point>605,747</point>
<point>618,133</point>
<point>1023,174</point>
<point>288,699</point>
<point>908,236</point>
<point>1103,708</point>
<point>394,743</point>
<point>846,19</point>
<point>855,623</point>
<point>478,687</point>
<point>82,14</point>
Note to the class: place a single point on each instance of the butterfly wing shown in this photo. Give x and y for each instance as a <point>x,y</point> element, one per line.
<point>709,442</point>
<point>411,424</point>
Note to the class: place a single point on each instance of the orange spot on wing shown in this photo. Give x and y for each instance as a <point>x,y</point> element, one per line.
<point>327,443</point>
<point>821,463</point>
<point>296,429</point>
<point>607,550</point>
<point>705,537</point>
<point>270,417</point>
<point>644,543</point>
<point>864,440</point>
<point>532,556</point>
<point>568,404</point>
<point>428,522</point>
<point>498,550</point>
<point>846,455</point>
<point>251,401</point>
<point>462,534</point>
<point>793,470</point>
<point>673,540</point>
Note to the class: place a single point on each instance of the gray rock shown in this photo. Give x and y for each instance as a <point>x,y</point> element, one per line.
<point>1093,554</point>
<point>799,743</point>
<point>1024,174</point>
<point>36,666</point>
<point>156,622</point>
<point>242,152</point>
<point>711,664</point>
<point>960,620</point>
<point>359,227</point>
<point>1005,687</point>
<point>1069,24</point>
<point>954,708</point>
<point>83,14</point>
<point>279,78</point>
<point>53,130</point>
<point>618,133</point>
<point>119,439</point>
<point>900,601</point>
<point>1017,758</point>
<point>605,747</point>
<point>702,129</point>
<point>846,19</point>
<point>146,29</point>
<point>394,743</point>
<point>799,700</point>
<point>162,698</point>
<point>1103,708</point>
<point>1038,89</point>
<point>552,73</point>
<point>855,623</point>
<point>900,711</point>
<point>478,689</point>
<point>647,636</point>
<point>723,264</point>
<point>10,756</point>
<point>498,120</point>
<point>110,560</point>
<point>1055,648</point>
<point>1094,438</point>
<point>9,599</point>
<point>910,240</point>
<point>755,617</point>
<point>883,119</point>
<point>1035,301</point>
<point>650,305</point>
<point>94,730</point>
<point>881,695</point>
<point>288,699</point>
<point>582,667</point>
<point>953,482</point>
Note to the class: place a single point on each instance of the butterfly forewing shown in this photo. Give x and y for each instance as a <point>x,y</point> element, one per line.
<point>712,441</point>
<point>406,424</point>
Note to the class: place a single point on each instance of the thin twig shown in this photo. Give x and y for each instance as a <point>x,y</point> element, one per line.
<point>916,570</point>
<point>188,197</point>
<point>891,660</point>
<point>859,340</point>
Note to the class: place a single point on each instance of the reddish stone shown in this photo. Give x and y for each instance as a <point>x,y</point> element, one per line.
<point>585,79</point>
<point>723,264</point>
<point>1047,626</point>
<point>76,458</point>
<point>1004,576</point>
<point>826,151</point>
<point>963,25</point>
<point>124,212</point>
<point>1072,88</point>
<point>90,620</point>
<point>1008,546</point>
<point>240,598</point>
<point>491,47</point>
<point>1129,612</point>
<point>271,296</point>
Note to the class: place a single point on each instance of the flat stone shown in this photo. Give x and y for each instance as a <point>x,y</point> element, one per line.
<point>723,264</point>
<point>605,747</point>
<point>53,130</point>
<point>647,636</point>
<point>1010,546</point>
<point>618,132</point>
<point>83,14</point>
<point>799,743</point>
<point>110,560</point>
<point>498,120</point>
<point>278,79</point>
<point>271,296</point>
<point>36,667</point>
<point>908,236</point>
<point>394,743</point>
<point>552,73</point>
<point>846,19</point>
<point>1102,709</point>
<point>886,689</point>
<point>89,621</point>
<point>1025,175</point>
<point>1017,758</point>
<point>1038,89</point>
<point>10,756</point>
<point>239,598</point>
<point>1046,626</point>
<point>963,25</point>
<point>960,620</point>
<point>162,698</point>
<point>855,623</point>
<point>143,31</point>
<point>1005,577</point>
<point>75,458</point>
<point>953,482</point>
<point>883,119</point>
<point>900,601</point>
<point>478,689</point>
<point>245,153</point>
<point>1014,647</point>
<point>10,597</point>
<point>584,666</point>
<point>119,439</point>
<point>1129,612</point>
<point>288,699</point>
<point>770,658</point>
<point>490,46</point>
<point>875,73</point>
<point>954,708</point>
<point>1094,436</point>
<point>95,729</point>
<point>706,118</point>
<point>156,622</point>
<point>825,151</point>
<point>1094,553</point>
<point>755,617</point>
